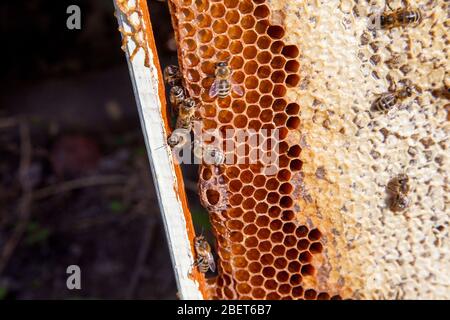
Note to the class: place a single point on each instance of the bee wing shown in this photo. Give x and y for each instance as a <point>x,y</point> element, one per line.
<point>211,263</point>
<point>237,89</point>
<point>213,91</point>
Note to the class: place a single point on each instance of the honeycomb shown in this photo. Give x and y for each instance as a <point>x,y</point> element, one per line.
<point>319,227</point>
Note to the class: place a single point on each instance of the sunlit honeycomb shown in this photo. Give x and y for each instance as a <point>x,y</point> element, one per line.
<point>319,228</point>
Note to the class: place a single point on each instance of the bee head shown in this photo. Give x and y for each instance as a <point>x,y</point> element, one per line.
<point>403,178</point>
<point>222,69</point>
<point>199,240</point>
<point>189,103</point>
<point>409,91</point>
<point>172,70</point>
<point>386,20</point>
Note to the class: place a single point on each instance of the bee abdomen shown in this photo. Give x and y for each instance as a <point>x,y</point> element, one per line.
<point>224,89</point>
<point>409,17</point>
<point>385,102</point>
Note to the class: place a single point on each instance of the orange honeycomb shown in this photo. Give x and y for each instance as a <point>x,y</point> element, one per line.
<point>264,253</point>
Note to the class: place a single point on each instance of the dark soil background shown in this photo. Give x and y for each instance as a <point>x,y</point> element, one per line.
<point>75,184</point>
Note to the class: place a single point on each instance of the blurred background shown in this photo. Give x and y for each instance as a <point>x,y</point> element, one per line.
<point>75,184</point>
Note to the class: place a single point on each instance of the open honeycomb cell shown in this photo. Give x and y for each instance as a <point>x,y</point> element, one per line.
<point>278,235</point>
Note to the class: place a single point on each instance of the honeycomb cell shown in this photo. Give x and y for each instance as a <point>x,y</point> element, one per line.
<point>235,212</point>
<point>258,293</point>
<point>275,225</point>
<point>252,96</point>
<point>261,27</point>
<point>280,119</point>
<point>248,22</point>
<point>245,7</point>
<point>235,32</point>
<point>235,225</point>
<point>201,5</point>
<point>297,292</point>
<point>254,267</point>
<point>310,294</point>
<point>240,262</point>
<point>187,14</point>
<point>231,4</point>
<point>220,26</point>
<point>256,280</point>
<point>290,51</point>
<point>189,44</point>
<point>247,191</point>
<point>282,276</point>
<point>279,91</point>
<point>250,52</point>
<point>275,32</point>
<point>284,289</point>
<point>238,106</point>
<point>292,66</point>
<point>305,257</point>
<point>260,195</point>
<point>295,280</point>
<point>264,57</point>
<point>263,234</point>
<point>212,196</point>
<point>323,296</point>
<point>262,221</point>
<point>290,241</point>
<point>316,247</point>
<point>270,284</point>
<point>221,42</point>
<point>292,80</point>
<point>243,288</point>
<point>253,255</point>
<point>204,21</point>
<point>266,100</point>
<point>302,244</point>
<point>265,246</point>
<point>266,86</point>
<point>307,270</point>
<point>240,121</point>
<point>251,82</point>
<point>273,296</point>
<point>280,263</point>
<point>278,76</point>
<point>217,10</point>
<point>261,11</point>
<point>278,250</point>
<point>236,62</point>
<point>232,17</point>
<point>293,123</point>
<point>314,235</point>
<point>292,254</point>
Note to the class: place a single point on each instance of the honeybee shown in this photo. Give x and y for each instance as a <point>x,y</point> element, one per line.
<point>399,202</point>
<point>172,75</point>
<point>186,113</point>
<point>389,100</point>
<point>400,18</point>
<point>398,189</point>
<point>205,259</point>
<point>223,84</point>
<point>176,96</point>
<point>399,184</point>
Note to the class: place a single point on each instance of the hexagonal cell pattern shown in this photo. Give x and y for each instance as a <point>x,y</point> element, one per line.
<point>264,253</point>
